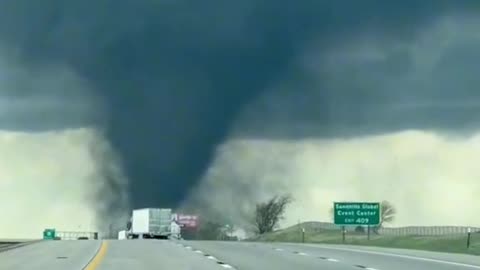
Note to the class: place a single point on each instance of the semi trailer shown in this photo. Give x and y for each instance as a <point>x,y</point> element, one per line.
<point>150,223</point>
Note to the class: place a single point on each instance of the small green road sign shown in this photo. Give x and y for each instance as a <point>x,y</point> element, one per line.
<point>49,234</point>
<point>356,213</point>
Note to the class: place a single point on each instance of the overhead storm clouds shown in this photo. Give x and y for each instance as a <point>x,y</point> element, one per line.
<point>169,84</point>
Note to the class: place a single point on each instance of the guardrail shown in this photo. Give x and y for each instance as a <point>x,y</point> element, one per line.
<point>72,235</point>
<point>400,231</point>
<point>428,230</point>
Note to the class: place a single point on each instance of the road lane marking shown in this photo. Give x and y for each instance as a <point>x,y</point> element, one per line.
<point>208,256</point>
<point>405,257</point>
<point>328,259</point>
<point>227,266</point>
<point>98,257</point>
<point>364,267</point>
<point>224,265</point>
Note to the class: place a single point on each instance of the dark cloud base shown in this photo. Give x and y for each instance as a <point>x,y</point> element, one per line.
<point>174,75</point>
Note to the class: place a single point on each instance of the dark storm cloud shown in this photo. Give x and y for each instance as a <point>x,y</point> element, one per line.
<point>42,98</point>
<point>173,75</point>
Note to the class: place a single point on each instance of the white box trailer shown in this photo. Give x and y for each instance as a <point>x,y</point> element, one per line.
<point>122,235</point>
<point>151,223</point>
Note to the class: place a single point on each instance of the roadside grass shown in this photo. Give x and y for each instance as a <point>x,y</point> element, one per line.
<point>447,243</point>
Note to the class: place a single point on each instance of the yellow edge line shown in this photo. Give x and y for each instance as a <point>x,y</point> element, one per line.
<point>97,259</point>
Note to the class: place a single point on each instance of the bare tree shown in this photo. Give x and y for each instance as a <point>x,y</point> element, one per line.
<point>268,214</point>
<point>387,215</point>
<point>388,212</point>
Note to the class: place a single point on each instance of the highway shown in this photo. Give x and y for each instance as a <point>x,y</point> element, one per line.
<point>52,255</point>
<point>211,255</point>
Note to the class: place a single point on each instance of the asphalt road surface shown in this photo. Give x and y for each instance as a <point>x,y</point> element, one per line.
<point>308,256</point>
<point>51,255</point>
<point>209,255</point>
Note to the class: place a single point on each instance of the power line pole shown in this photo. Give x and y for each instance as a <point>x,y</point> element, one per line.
<point>469,235</point>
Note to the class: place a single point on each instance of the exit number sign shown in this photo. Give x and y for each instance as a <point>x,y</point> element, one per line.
<point>356,213</point>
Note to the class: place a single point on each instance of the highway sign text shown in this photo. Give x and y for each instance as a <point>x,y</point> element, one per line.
<point>356,213</point>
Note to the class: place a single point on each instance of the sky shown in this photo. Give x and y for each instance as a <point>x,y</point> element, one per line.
<point>182,103</point>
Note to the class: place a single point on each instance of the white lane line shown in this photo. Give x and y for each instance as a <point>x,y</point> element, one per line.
<point>227,266</point>
<point>279,249</point>
<point>364,267</point>
<point>405,257</point>
<point>300,253</point>
<point>222,264</point>
<point>329,259</point>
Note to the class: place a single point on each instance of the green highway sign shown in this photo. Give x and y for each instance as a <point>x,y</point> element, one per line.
<point>356,213</point>
<point>49,234</point>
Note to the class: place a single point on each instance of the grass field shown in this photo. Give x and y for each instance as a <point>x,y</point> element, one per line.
<point>449,243</point>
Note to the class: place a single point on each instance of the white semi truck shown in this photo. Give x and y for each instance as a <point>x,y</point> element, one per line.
<point>150,223</point>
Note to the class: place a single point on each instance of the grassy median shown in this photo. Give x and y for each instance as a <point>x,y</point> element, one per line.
<point>448,243</point>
